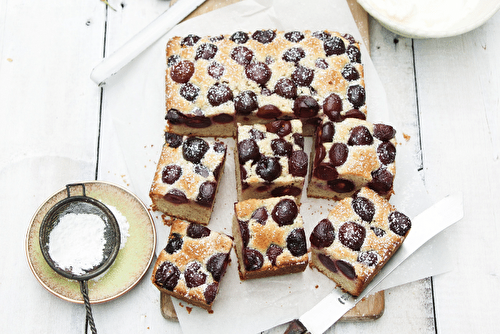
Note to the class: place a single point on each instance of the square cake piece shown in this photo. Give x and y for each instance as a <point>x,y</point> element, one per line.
<point>193,263</point>
<point>269,237</point>
<point>270,160</point>
<point>255,77</point>
<point>358,237</point>
<point>187,177</point>
<point>349,155</point>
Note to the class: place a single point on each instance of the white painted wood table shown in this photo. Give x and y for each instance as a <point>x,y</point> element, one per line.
<point>54,130</point>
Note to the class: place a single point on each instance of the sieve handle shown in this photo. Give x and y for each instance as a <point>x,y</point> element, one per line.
<point>89,319</point>
<point>68,186</point>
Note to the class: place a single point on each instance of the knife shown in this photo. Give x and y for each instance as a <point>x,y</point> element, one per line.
<point>425,226</point>
<point>142,40</point>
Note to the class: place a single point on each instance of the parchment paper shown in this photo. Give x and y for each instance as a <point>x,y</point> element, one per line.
<point>138,119</point>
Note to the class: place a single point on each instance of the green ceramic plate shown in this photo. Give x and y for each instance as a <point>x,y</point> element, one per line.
<point>133,259</point>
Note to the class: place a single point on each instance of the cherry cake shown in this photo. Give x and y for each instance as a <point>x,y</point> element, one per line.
<point>358,237</point>
<point>214,82</point>
<point>193,263</point>
<point>269,237</point>
<point>349,155</point>
<point>187,177</point>
<point>270,160</point>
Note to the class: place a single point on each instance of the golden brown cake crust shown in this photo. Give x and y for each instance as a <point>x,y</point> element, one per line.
<point>254,77</point>
<point>357,238</point>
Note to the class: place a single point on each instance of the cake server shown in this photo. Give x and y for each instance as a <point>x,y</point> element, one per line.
<point>425,226</point>
<point>142,40</point>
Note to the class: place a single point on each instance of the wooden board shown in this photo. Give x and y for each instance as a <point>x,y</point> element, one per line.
<point>373,306</point>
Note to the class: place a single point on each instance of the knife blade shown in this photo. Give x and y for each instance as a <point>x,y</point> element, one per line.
<point>425,226</point>
<point>142,40</point>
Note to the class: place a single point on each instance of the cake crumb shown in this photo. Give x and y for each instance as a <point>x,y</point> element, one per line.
<point>406,137</point>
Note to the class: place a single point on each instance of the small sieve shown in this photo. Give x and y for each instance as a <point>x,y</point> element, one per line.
<point>82,205</point>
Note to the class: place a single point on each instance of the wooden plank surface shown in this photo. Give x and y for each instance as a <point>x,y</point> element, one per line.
<point>370,308</point>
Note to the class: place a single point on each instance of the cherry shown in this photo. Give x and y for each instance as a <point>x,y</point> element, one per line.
<point>303,76</point>
<point>332,106</point>
<point>294,36</point>
<point>176,196</point>
<point>264,36</point>
<point>354,54</point>
<point>216,38</point>
<point>350,73</point>
<point>281,147</point>
<point>167,275</point>
<point>174,243</point>
<point>173,140</point>
<point>239,37</point>
<point>285,212</point>
<point>189,91</point>
<point>175,117</point>
<point>252,259</point>
<point>245,102</point>
<point>171,173</point>
<point>297,163</point>
<point>386,153</point>
<point>197,231</point>
<point>346,268</point>
<point>248,150</point>
<point>260,215</point>
<point>369,259</point>
<point>286,191</point>
<point>326,171</point>
<point>383,132</point>
<point>294,55</point>
<point>296,242</point>
<point>268,111</point>
<point>360,135</point>
<point>194,149</point>
<point>219,94</point>
<point>382,181</point>
<point>206,51</point>
<point>327,132</point>
<point>328,263</point>
<point>378,231</point>
<point>273,252</point>
<point>323,234</point>
<point>242,55</point>
<point>338,154</point>
<point>201,170</point>
<point>321,63</point>
<point>341,185</point>
<point>256,134</point>
<point>320,154</point>
<point>334,46</point>
<point>193,276</point>
<point>399,223</point>
<point>215,70</point>
<point>298,139</point>
<point>172,60</point>
<point>223,118</point>
<point>244,231</point>
<point>217,264</point>
<point>182,71</point>
<point>190,40</point>
<point>198,122</point>
<point>285,88</point>
<point>206,193</point>
<point>211,292</point>
<point>363,208</point>
<point>356,95</point>
<point>279,127</point>
<point>352,235</point>
<point>355,113</point>
<point>305,107</point>
<point>258,72</point>
<point>268,168</point>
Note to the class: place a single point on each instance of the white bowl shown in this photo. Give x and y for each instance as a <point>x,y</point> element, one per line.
<point>431,18</point>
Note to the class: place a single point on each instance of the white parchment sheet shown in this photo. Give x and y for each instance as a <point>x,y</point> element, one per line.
<point>138,119</point>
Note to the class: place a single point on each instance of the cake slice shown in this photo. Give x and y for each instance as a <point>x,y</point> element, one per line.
<point>193,263</point>
<point>356,240</point>
<point>269,237</point>
<point>187,177</point>
<point>349,155</point>
<point>214,82</point>
<point>270,160</point>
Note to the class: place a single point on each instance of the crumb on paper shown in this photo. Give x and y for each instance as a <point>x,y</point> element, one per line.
<point>189,309</point>
<point>406,137</point>
<point>10,60</point>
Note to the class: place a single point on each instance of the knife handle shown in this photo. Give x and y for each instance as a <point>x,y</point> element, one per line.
<point>296,327</point>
